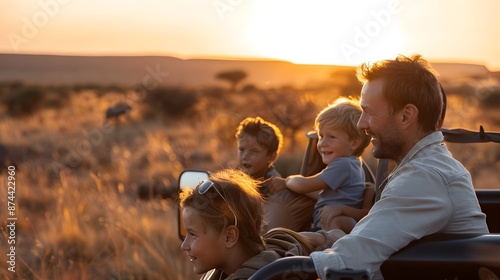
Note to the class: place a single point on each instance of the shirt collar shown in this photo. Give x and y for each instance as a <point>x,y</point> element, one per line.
<point>433,138</point>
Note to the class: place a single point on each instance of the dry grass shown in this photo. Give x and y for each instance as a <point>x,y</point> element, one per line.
<point>82,229</point>
<point>482,160</point>
<point>78,215</point>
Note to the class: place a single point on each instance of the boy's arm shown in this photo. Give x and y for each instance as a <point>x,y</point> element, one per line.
<point>329,212</point>
<point>301,184</point>
<point>278,184</point>
<point>313,195</point>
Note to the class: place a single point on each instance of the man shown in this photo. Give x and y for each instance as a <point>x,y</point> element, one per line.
<point>428,191</point>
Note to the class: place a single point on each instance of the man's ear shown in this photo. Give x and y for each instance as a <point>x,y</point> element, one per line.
<point>409,115</point>
<point>232,236</point>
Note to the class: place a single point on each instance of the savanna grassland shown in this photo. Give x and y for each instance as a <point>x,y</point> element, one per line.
<point>96,199</point>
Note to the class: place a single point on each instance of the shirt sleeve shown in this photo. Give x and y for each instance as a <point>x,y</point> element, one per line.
<point>326,259</point>
<point>336,173</point>
<point>414,204</point>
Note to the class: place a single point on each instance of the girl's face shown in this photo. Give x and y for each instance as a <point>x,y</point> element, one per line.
<point>334,143</point>
<point>253,157</point>
<point>203,245</point>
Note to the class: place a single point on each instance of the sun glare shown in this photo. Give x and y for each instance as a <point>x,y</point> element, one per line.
<point>306,32</point>
<point>321,33</point>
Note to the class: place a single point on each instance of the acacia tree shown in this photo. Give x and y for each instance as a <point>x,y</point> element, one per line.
<point>234,77</point>
<point>345,79</point>
<point>292,111</point>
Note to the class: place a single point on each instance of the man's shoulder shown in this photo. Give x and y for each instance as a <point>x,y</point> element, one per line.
<point>426,173</point>
<point>439,162</point>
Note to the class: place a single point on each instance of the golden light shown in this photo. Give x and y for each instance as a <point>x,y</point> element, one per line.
<point>325,32</point>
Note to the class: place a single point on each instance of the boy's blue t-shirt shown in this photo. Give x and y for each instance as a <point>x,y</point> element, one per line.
<point>346,182</point>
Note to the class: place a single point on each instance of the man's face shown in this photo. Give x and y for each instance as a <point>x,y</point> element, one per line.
<point>378,122</point>
<point>253,157</point>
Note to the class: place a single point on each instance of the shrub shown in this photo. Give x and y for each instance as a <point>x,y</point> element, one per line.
<point>173,102</point>
<point>249,88</point>
<point>214,92</point>
<point>24,100</point>
<point>21,100</point>
<point>492,99</point>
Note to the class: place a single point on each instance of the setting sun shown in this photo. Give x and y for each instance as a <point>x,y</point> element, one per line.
<point>326,34</point>
<point>313,32</point>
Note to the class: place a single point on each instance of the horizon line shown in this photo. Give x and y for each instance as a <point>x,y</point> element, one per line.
<point>233,58</point>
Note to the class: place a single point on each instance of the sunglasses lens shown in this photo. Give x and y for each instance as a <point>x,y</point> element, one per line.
<point>205,186</point>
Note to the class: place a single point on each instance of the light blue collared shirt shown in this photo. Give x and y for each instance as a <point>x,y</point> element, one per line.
<point>428,192</point>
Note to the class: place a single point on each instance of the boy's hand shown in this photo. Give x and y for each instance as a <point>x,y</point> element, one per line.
<point>276,185</point>
<point>327,213</point>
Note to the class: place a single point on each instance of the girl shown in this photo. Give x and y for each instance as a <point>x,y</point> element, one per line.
<point>223,220</point>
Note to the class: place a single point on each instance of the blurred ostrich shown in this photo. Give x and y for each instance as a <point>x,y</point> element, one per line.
<point>119,109</point>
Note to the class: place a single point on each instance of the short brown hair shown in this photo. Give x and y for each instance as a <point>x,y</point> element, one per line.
<point>344,114</point>
<point>266,133</point>
<point>408,80</point>
<point>241,193</point>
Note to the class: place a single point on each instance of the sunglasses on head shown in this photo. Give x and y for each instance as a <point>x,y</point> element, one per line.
<point>205,186</point>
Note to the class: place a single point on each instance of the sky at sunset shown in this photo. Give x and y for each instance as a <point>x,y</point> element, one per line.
<point>299,31</point>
